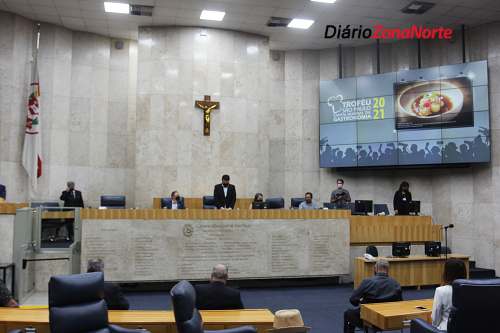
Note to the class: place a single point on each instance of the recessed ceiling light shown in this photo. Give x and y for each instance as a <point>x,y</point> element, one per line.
<point>117,7</point>
<point>212,15</point>
<point>324,1</point>
<point>417,7</point>
<point>300,23</point>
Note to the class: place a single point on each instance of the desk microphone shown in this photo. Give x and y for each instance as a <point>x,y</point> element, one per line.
<point>446,227</point>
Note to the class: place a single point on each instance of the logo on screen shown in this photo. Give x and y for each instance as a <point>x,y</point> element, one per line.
<point>331,103</point>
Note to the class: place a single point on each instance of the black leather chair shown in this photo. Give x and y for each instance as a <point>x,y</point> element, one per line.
<point>3,191</point>
<point>208,202</point>
<point>380,208</point>
<point>295,202</point>
<point>76,305</point>
<point>372,250</point>
<point>188,318</point>
<point>167,200</point>
<point>113,201</point>
<point>475,307</point>
<point>275,203</point>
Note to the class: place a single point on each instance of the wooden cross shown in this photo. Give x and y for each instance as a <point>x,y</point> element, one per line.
<point>207,106</point>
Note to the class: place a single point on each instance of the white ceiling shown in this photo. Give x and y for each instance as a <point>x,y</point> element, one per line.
<point>252,15</point>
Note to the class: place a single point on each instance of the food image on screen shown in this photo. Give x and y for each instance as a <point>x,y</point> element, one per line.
<point>440,103</point>
<point>429,116</point>
<point>431,104</point>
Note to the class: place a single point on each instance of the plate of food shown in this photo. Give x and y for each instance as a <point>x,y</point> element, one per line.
<point>431,100</point>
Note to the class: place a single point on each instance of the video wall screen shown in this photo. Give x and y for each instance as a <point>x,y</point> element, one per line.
<point>436,115</point>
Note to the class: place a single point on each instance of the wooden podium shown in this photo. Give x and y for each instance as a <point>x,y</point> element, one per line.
<point>415,270</point>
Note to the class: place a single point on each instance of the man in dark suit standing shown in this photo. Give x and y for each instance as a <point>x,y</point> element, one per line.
<point>216,295</point>
<point>71,198</point>
<point>115,300</point>
<point>225,194</point>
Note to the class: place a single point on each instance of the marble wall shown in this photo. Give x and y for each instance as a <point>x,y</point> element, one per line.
<point>178,66</point>
<point>463,196</point>
<point>123,121</point>
<point>88,110</point>
<point>15,57</point>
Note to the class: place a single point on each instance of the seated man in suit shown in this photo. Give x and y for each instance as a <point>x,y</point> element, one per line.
<point>379,287</point>
<point>71,198</point>
<point>3,193</point>
<point>225,194</point>
<point>112,292</point>
<point>216,295</point>
<point>6,299</point>
<point>176,202</point>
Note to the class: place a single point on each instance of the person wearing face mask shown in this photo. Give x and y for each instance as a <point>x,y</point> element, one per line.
<point>340,197</point>
<point>225,194</point>
<point>258,200</point>
<point>176,201</point>
<point>308,203</point>
<point>402,199</point>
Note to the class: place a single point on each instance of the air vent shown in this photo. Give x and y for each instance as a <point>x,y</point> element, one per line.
<point>141,10</point>
<point>278,22</point>
<point>417,7</point>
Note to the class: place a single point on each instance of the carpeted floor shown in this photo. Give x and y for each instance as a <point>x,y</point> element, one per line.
<point>322,308</point>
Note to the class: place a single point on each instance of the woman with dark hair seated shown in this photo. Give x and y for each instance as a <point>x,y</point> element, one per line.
<point>402,199</point>
<point>258,200</point>
<point>453,269</point>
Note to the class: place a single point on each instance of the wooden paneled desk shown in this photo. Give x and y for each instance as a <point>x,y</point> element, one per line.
<point>364,230</point>
<point>153,321</point>
<point>391,316</point>
<point>416,270</point>
<point>10,207</point>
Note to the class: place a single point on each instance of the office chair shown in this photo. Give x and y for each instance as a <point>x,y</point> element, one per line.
<point>76,305</point>
<point>380,208</point>
<point>113,201</point>
<point>187,316</point>
<point>295,202</point>
<point>475,307</point>
<point>208,202</point>
<point>168,200</point>
<point>372,250</point>
<point>275,203</point>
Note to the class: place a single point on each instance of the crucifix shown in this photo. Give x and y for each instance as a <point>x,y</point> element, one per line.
<point>207,106</point>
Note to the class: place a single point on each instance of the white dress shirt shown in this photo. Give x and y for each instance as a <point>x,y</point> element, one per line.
<point>174,205</point>
<point>441,307</point>
<point>225,190</point>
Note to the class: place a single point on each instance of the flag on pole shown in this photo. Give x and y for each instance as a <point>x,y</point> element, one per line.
<point>32,150</point>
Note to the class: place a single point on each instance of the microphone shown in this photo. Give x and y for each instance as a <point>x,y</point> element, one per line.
<point>449,226</point>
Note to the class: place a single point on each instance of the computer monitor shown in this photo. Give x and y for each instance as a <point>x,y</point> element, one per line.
<point>433,249</point>
<point>363,207</point>
<point>414,208</point>
<point>113,201</point>
<point>401,249</point>
<point>259,205</point>
<point>329,205</point>
<point>44,204</point>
